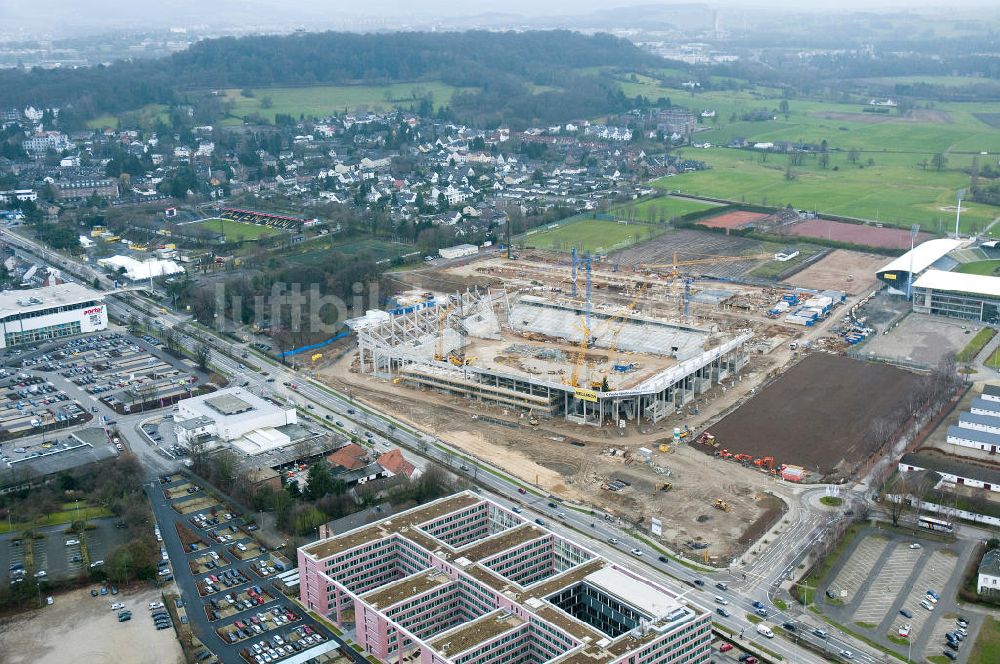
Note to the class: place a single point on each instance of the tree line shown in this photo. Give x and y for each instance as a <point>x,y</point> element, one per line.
<point>502,66</point>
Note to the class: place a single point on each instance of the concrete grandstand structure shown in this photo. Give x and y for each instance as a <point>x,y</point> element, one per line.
<point>898,272</point>
<point>970,296</point>
<point>552,356</point>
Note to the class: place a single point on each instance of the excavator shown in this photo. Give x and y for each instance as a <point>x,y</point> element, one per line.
<point>765,463</point>
<point>720,504</point>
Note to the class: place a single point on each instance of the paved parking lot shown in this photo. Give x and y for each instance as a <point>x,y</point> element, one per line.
<point>852,576</point>
<point>187,582</point>
<point>936,641</point>
<point>935,570</point>
<point>896,577</point>
<point>878,600</point>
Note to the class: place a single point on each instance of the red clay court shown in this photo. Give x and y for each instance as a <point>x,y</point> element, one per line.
<point>870,236</point>
<point>735,220</point>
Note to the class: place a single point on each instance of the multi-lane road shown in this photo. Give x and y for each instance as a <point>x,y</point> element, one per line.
<point>761,578</point>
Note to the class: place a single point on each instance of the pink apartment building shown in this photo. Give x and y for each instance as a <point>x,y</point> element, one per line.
<point>464,580</point>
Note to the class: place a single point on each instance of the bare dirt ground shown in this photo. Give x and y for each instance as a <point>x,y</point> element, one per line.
<point>831,272</point>
<point>818,414</point>
<point>842,231</point>
<point>80,628</point>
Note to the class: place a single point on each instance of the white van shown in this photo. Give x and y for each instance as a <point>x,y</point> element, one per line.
<point>764,630</point>
<point>721,600</point>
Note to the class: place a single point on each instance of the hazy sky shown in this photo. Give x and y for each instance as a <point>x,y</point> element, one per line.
<point>67,17</point>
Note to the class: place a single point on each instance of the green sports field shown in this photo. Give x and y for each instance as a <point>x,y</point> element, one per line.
<point>988,268</point>
<point>895,191</point>
<point>236,231</point>
<point>652,209</point>
<point>322,100</point>
<point>590,235</point>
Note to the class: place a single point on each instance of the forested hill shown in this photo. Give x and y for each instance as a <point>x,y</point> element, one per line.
<point>503,66</point>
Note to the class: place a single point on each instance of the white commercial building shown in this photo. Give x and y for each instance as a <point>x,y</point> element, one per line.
<point>51,312</point>
<point>972,296</point>
<point>228,415</point>
<point>458,251</point>
<point>136,270</point>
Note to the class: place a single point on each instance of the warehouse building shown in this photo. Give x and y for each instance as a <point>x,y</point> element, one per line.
<point>932,253</point>
<point>464,579</point>
<point>458,251</point>
<point>984,423</point>
<point>952,471</point>
<point>974,439</point>
<point>971,296</point>
<point>985,407</point>
<point>229,415</point>
<point>991,393</point>
<point>51,312</point>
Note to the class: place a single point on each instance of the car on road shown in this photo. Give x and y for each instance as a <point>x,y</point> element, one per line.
<point>72,542</point>
<point>757,604</point>
<point>721,600</point>
<point>915,545</point>
<point>636,552</point>
<point>612,540</point>
<point>762,613</point>
<point>847,654</point>
<point>790,626</point>
<point>821,633</point>
<point>663,559</point>
<point>516,509</point>
<point>906,613</point>
<point>721,586</point>
<point>699,582</point>
<point>723,611</point>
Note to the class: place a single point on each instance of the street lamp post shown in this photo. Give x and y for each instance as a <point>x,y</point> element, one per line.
<point>958,211</point>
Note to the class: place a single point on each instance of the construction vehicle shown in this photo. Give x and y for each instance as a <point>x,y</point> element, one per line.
<point>460,359</point>
<point>664,447</point>
<point>532,419</point>
<point>743,458</point>
<point>439,343</point>
<point>765,461</point>
<point>707,439</point>
<point>720,504</point>
<point>666,486</point>
<point>724,454</point>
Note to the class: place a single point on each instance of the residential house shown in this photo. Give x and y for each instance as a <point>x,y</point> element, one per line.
<point>988,582</point>
<point>349,457</point>
<point>396,463</point>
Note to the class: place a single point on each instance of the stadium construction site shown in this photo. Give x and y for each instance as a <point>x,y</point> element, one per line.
<point>551,355</point>
<point>594,380</point>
